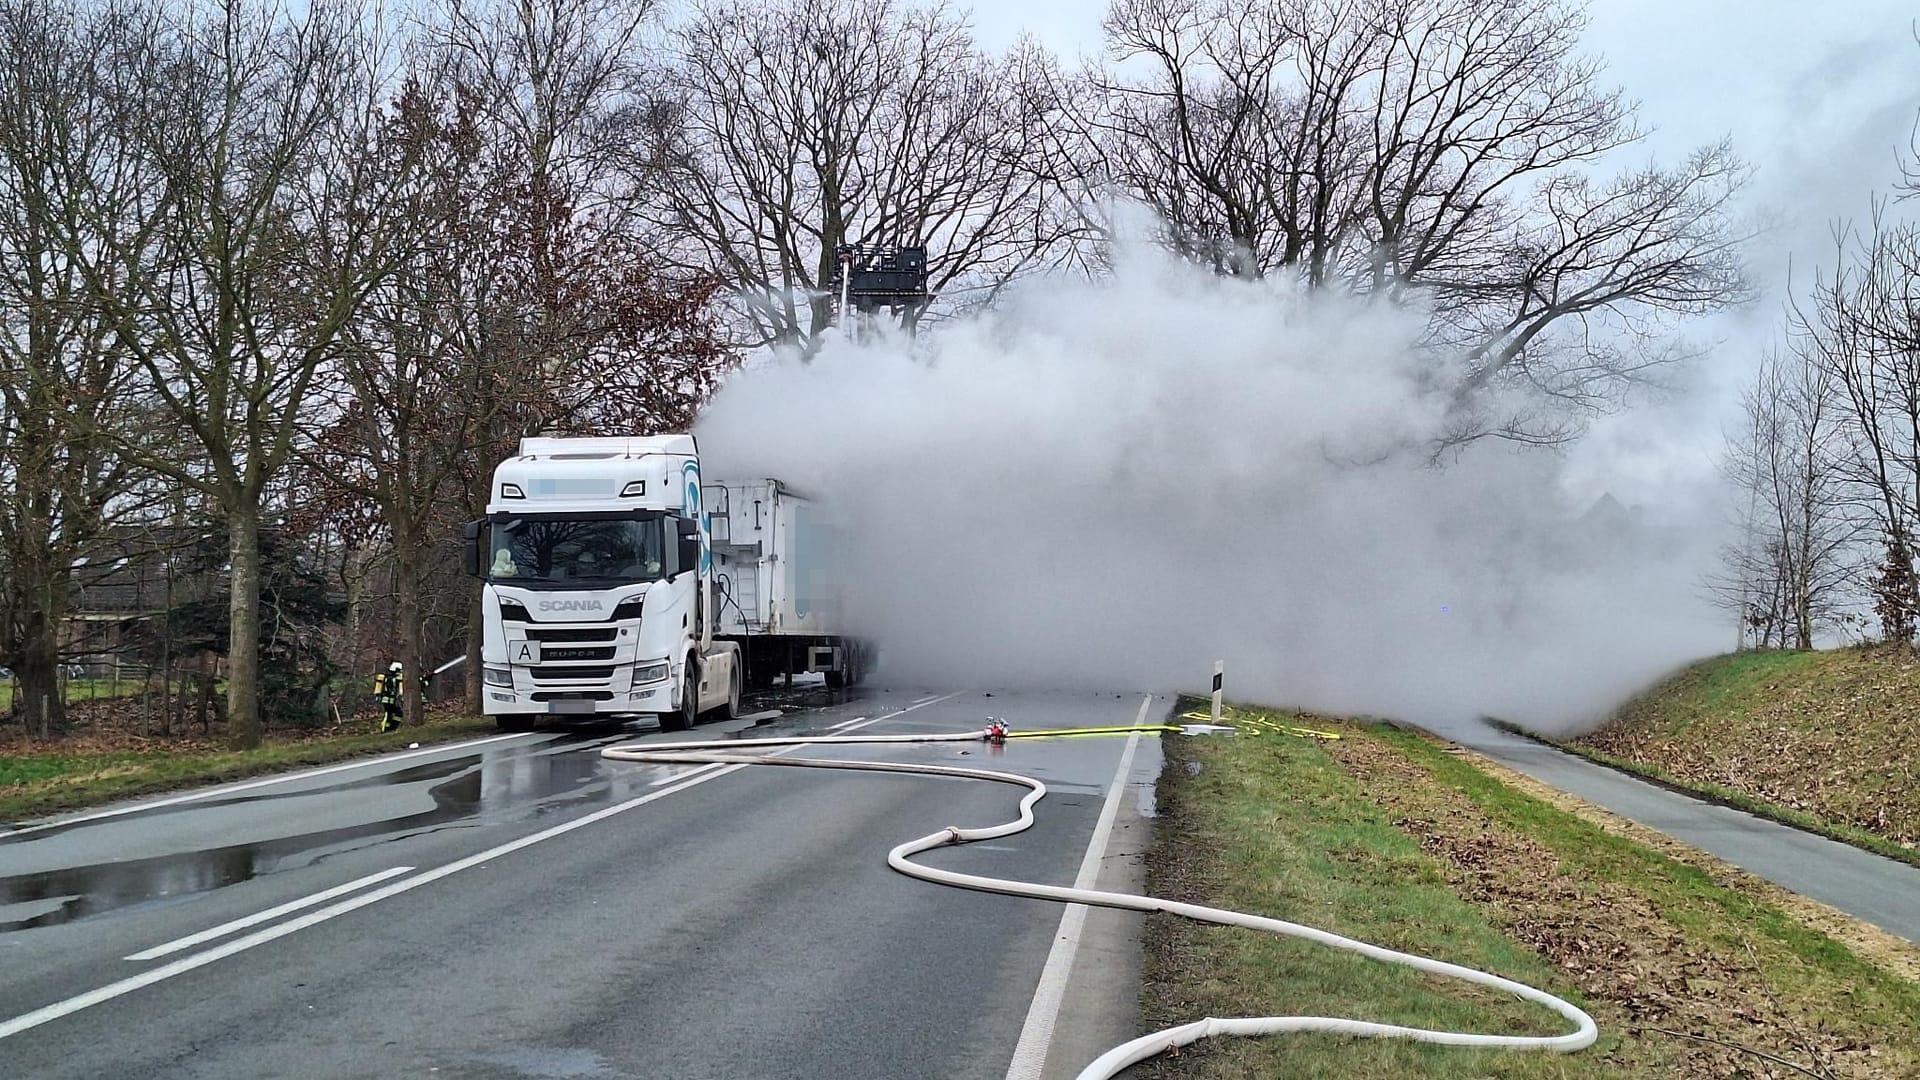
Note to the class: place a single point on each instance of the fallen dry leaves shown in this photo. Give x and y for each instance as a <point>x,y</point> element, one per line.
<point>1836,737</point>
<point>1638,969</point>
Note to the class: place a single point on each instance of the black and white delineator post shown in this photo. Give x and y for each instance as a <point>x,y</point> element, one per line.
<point>1219,677</point>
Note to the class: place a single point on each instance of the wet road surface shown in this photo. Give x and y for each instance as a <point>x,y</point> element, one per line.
<point>520,907</point>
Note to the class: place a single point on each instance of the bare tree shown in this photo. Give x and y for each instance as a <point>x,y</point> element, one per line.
<point>64,383</point>
<point>788,128</point>
<point>1861,326</point>
<point>236,288</point>
<point>1438,152</point>
<point>1789,578</point>
<point>536,302</point>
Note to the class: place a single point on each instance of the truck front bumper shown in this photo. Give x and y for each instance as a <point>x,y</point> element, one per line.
<point>574,701</point>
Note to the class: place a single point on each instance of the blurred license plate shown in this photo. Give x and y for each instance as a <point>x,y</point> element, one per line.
<point>569,706</point>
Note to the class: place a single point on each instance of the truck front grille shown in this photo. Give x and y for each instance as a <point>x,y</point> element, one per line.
<point>572,674</point>
<point>593,634</point>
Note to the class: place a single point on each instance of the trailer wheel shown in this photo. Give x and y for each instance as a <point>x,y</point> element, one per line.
<point>851,670</point>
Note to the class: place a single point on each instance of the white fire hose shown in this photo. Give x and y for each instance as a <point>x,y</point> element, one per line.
<point>1111,1063</point>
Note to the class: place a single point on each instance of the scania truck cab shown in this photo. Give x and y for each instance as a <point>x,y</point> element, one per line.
<point>597,595</point>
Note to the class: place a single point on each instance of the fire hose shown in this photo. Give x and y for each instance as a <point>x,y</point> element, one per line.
<point>1111,1063</point>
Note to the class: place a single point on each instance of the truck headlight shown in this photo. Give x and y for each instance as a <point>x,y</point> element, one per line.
<point>649,673</point>
<point>497,676</point>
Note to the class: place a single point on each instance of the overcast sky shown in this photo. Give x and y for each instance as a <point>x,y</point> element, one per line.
<point>1818,96</point>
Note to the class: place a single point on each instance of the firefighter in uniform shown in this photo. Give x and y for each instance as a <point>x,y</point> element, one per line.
<point>386,687</point>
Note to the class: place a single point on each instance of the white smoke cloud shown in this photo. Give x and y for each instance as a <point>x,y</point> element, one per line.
<point>1110,486</point>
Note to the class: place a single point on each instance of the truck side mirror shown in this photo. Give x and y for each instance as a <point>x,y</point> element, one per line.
<point>470,554</point>
<point>689,536</point>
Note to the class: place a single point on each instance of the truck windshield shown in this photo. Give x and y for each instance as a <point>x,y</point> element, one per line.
<point>578,551</point>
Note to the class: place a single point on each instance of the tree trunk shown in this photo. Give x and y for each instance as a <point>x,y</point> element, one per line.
<point>353,576</point>
<point>36,697</point>
<point>406,560</point>
<point>243,636</point>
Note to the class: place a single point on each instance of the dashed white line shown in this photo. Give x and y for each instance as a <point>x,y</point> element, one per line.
<point>188,942</point>
<point>845,723</point>
<point>675,773</point>
<point>46,1014</point>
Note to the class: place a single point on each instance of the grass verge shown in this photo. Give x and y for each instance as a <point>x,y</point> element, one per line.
<point>44,780</point>
<point>1726,796</point>
<point>1387,837</point>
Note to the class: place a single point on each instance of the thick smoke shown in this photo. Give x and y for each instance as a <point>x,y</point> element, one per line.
<point>1110,486</point>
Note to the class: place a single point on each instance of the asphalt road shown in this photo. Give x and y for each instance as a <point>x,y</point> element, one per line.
<point>1869,887</point>
<point>519,907</point>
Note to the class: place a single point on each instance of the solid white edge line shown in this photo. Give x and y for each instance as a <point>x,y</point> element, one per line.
<point>249,785</point>
<point>1036,1034</point>
<point>30,1020</point>
<point>188,942</point>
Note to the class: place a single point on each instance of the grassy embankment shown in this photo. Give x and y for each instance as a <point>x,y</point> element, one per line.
<point>39,778</point>
<point>1825,741</point>
<point>1389,837</point>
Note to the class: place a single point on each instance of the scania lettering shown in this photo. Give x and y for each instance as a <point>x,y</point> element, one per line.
<point>597,594</point>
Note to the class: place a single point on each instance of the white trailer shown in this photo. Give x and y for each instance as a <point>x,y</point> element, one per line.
<point>779,568</point>
<point>597,594</point>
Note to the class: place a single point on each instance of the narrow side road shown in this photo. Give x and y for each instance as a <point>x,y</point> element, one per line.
<point>1869,887</point>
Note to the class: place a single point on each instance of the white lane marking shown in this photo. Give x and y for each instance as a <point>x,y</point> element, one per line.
<point>922,701</point>
<point>845,723</point>
<point>674,775</point>
<point>228,789</point>
<point>1030,1053</point>
<point>188,942</point>
<point>28,1021</point>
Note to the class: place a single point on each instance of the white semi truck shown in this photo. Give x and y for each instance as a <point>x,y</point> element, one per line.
<point>598,585</point>
<point>598,596</point>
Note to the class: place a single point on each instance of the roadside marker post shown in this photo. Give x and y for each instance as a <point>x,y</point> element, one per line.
<point>1219,677</point>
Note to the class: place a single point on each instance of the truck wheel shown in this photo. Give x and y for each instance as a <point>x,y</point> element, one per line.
<point>733,692</point>
<point>688,713</point>
<point>836,680</point>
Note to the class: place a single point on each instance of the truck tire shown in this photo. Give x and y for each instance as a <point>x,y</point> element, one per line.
<point>688,712</point>
<point>733,710</point>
